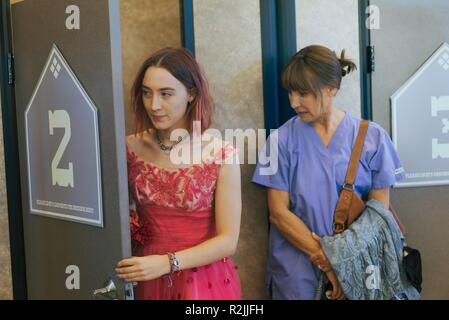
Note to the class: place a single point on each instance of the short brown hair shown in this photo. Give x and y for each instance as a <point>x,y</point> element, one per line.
<point>314,68</point>
<point>183,66</point>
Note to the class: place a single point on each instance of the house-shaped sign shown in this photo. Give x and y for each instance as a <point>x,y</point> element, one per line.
<point>420,122</point>
<point>62,143</point>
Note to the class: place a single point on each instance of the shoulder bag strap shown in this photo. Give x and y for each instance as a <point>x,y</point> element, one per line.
<point>346,196</point>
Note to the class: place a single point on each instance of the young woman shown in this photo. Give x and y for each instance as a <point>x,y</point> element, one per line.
<point>185,218</point>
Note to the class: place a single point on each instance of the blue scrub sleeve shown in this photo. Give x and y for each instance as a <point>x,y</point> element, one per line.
<point>386,168</point>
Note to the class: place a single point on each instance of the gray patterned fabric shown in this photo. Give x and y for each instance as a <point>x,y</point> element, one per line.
<point>367,257</point>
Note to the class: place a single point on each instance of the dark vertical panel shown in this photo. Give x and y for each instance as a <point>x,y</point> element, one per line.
<point>270,64</point>
<point>187,25</point>
<point>89,53</point>
<point>287,47</point>
<point>278,27</point>
<point>365,73</point>
<point>12,169</point>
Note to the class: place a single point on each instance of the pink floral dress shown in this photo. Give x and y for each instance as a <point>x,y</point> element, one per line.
<point>172,210</point>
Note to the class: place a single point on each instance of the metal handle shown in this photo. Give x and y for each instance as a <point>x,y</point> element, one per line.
<point>109,291</point>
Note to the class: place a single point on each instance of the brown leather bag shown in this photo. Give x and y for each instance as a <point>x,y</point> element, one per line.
<point>350,205</point>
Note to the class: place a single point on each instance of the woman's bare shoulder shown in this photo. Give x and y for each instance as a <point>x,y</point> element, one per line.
<point>137,142</point>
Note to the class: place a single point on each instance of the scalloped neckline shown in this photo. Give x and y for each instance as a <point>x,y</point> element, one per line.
<point>152,164</point>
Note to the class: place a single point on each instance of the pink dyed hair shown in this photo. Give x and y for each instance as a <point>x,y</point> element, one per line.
<point>183,66</point>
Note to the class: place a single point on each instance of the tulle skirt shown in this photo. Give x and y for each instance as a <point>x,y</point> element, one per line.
<point>170,230</point>
<point>216,281</point>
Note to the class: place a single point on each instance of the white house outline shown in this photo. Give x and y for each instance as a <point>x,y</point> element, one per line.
<point>444,47</point>
<point>95,222</point>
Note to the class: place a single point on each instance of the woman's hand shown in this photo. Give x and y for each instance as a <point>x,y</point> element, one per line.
<point>337,290</point>
<point>318,258</point>
<point>143,268</point>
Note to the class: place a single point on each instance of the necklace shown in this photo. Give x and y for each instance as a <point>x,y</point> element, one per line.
<point>167,149</point>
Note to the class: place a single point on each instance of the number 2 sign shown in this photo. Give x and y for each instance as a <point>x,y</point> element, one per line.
<point>59,176</point>
<point>64,173</point>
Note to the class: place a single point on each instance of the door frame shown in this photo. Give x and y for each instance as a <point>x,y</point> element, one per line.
<point>278,31</point>
<point>365,64</point>
<point>187,25</point>
<point>11,151</point>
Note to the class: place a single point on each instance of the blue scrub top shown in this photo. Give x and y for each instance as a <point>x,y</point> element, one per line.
<point>313,175</point>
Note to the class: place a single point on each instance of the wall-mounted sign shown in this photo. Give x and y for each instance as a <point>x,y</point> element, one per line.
<point>63,152</point>
<point>420,122</point>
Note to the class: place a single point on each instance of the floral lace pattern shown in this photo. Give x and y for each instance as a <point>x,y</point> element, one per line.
<point>139,234</point>
<point>190,188</point>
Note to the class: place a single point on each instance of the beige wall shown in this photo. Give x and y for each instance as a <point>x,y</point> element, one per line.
<point>228,46</point>
<point>333,24</point>
<point>5,259</point>
<point>146,25</point>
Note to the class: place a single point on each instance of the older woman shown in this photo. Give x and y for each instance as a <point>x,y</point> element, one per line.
<point>314,149</point>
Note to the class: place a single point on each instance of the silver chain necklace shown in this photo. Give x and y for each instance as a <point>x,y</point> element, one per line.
<point>163,147</point>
